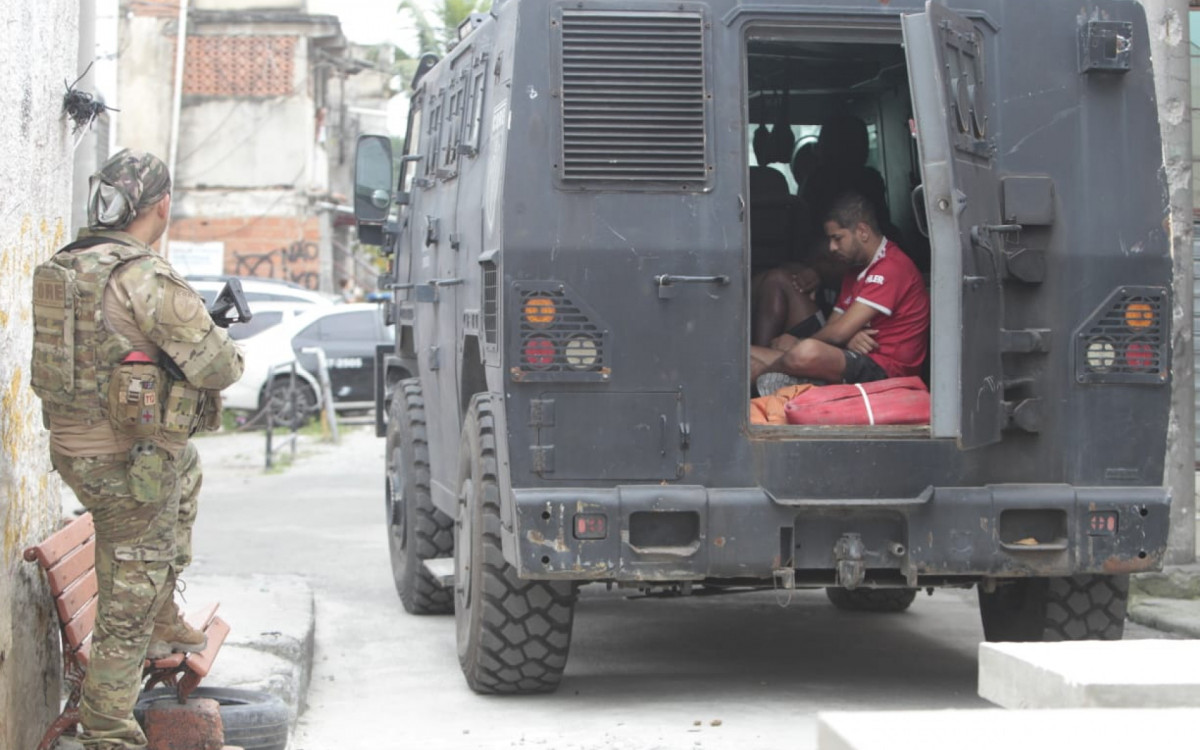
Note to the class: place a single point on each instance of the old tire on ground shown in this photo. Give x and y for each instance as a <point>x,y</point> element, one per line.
<point>1076,608</point>
<point>513,635</point>
<point>253,720</point>
<point>416,529</point>
<point>276,398</point>
<point>871,600</point>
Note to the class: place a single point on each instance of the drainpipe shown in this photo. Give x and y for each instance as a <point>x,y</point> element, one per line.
<point>180,50</point>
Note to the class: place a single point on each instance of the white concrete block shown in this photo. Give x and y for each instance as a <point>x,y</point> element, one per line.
<point>1086,674</point>
<point>996,729</point>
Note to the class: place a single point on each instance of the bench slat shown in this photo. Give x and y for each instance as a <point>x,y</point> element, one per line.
<point>201,662</point>
<point>76,597</point>
<point>72,567</point>
<point>57,545</point>
<point>80,627</point>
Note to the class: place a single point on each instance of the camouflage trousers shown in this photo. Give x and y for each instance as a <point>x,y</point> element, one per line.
<point>143,511</point>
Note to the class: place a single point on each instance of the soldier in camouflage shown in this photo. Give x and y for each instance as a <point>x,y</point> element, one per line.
<point>109,313</point>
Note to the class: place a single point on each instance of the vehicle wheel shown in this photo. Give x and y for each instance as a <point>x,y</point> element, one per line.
<point>253,720</point>
<point>416,529</point>
<point>1078,608</point>
<point>871,600</point>
<point>513,635</point>
<point>276,397</point>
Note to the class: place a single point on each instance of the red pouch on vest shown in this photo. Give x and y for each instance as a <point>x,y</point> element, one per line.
<point>891,401</point>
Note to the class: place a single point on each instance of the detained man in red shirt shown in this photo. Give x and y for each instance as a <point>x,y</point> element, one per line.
<point>880,326</point>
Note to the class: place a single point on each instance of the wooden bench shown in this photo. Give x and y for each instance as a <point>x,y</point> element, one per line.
<point>68,558</point>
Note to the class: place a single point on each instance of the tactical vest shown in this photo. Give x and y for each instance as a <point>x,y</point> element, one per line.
<point>74,352</point>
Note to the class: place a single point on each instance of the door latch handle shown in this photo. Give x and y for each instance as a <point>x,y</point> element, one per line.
<point>666,282</point>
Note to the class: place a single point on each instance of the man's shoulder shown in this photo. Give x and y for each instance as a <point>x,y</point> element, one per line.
<point>895,257</point>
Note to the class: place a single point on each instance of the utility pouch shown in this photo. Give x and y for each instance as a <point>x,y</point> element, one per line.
<point>183,408</point>
<point>152,475</point>
<point>210,412</point>
<point>135,392</point>
<point>53,373</point>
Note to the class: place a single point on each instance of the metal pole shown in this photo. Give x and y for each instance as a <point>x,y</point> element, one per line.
<point>326,389</point>
<point>1169,50</point>
<point>176,105</point>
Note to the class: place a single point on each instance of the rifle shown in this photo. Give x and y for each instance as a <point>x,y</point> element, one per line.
<point>231,299</point>
<point>229,307</point>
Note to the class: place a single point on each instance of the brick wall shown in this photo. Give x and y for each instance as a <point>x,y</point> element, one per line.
<point>241,65</point>
<point>272,247</point>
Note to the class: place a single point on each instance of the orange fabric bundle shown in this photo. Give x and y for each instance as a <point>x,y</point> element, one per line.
<point>770,409</point>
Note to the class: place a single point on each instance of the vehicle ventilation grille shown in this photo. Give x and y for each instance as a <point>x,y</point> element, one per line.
<point>1126,339</point>
<point>489,301</point>
<point>558,338</point>
<point>633,98</point>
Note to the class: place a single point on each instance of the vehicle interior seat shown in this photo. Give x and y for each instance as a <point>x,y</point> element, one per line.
<point>774,212</point>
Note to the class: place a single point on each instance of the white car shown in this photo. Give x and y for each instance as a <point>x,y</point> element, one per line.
<point>348,334</point>
<point>258,290</point>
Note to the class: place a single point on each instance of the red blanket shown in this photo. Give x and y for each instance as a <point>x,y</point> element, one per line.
<point>891,401</point>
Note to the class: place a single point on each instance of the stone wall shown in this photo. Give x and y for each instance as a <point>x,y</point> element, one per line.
<point>35,213</point>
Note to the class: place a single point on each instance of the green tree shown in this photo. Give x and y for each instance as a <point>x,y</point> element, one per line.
<point>437,21</point>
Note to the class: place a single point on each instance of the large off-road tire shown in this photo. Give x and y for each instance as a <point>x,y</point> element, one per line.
<point>252,720</point>
<point>416,529</point>
<point>871,600</point>
<point>276,397</point>
<point>1078,608</point>
<point>513,635</point>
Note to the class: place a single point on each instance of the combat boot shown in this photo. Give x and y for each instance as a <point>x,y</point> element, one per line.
<point>173,634</point>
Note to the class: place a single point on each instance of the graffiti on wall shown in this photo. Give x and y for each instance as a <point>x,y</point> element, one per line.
<point>298,263</point>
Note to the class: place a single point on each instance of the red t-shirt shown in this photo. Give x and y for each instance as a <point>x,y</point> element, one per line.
<point>892,285</point>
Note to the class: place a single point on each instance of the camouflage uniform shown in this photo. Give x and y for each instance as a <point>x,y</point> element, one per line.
<point>120,440</point>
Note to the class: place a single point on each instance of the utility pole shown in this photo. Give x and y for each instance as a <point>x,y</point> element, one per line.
<point>1170,52</point>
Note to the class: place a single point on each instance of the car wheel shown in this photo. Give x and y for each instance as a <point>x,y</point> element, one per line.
<point>283,410</point>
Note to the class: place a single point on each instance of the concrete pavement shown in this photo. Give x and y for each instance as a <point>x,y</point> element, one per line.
<point>271,645</point>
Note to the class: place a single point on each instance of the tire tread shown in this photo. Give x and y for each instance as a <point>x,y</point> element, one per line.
<point>525,626</point>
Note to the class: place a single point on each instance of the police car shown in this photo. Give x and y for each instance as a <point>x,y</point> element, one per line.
<point>346,334</point>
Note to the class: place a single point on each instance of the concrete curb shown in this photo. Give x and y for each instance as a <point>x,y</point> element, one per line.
<point>270,645</point>
<point>1168,601</point>
<point>1179,616</point>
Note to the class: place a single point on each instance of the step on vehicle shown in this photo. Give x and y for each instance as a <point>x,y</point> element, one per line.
<point>572,239</point>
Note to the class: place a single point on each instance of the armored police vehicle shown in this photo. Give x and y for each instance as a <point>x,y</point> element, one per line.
<point>572,236</point>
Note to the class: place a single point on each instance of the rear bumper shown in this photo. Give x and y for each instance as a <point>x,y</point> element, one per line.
<point>680,533</point>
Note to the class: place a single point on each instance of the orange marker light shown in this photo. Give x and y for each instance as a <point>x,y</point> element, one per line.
<point>539,311</point>
<point>1139,315</point>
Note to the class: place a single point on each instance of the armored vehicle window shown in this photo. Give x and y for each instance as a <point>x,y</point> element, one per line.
<point>474,122</point>
<point>435,124</point>
<point>412,144</point>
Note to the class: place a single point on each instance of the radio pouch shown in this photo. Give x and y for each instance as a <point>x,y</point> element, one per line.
<point>183,408</point>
